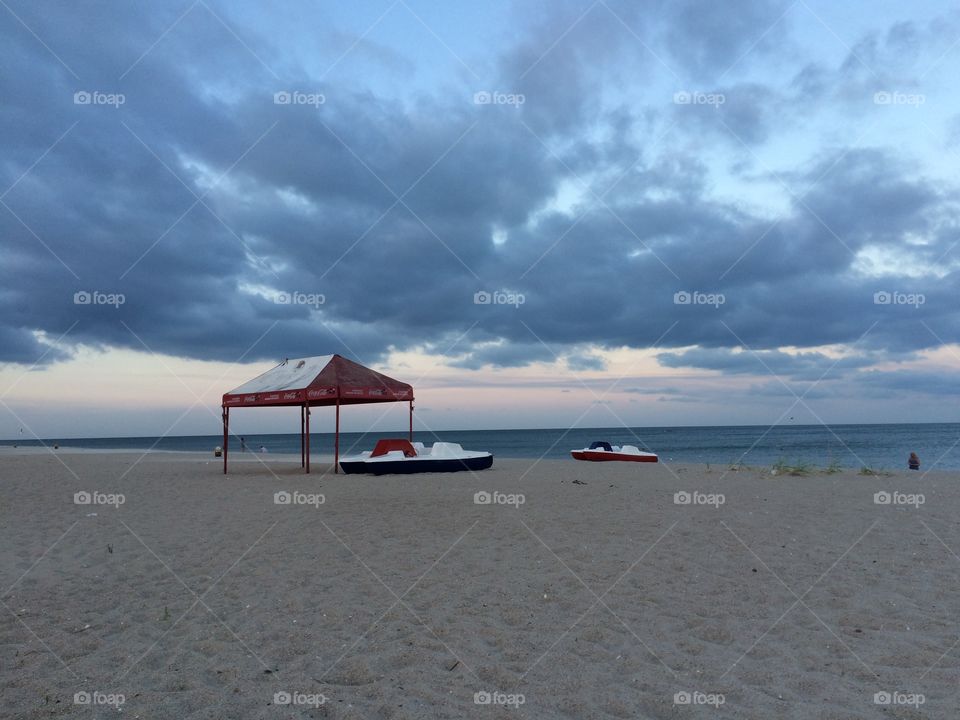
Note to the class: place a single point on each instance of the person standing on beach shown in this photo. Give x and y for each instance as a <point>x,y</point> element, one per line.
<point>914,462</point>
<point>243,444</point>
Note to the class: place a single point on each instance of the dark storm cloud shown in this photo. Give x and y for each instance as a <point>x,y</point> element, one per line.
<point>894,60</point>
<point>709,38</point>
<point>800,366</point>
<point>513,354</point>
<point>585,361</point>
<point>924,383</point>
<point>20,346</point>
<point>795,391</point>
<point>654,391</point>
<point>739,114</point>
<point>199,199</point>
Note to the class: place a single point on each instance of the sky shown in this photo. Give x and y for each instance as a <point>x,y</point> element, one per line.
<point>540,214</point>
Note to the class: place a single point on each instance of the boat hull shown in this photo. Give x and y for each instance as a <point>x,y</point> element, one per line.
<point>592,456</point>
<point>416,465</point>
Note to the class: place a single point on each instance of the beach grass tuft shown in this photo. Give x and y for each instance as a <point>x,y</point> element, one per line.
<point>801,469</point>
<point>833,468</point>
<point>871,472</point>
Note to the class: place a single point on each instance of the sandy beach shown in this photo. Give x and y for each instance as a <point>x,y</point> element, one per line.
<point>563,590</point>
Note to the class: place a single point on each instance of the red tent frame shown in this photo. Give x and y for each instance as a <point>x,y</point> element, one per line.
<point>339,382</point>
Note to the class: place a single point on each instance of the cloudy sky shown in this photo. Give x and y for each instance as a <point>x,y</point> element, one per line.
<point>541,213</point>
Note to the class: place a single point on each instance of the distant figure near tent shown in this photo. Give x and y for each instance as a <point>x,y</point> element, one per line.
<point>914,462</point>
<point>243,444</point>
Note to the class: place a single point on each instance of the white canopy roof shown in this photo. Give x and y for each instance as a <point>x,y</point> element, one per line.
<point>291,374</point>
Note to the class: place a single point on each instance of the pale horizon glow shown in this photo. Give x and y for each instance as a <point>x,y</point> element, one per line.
<point>116,390</point>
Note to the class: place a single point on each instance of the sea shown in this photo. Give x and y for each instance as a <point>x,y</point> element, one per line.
<point>879,447</point>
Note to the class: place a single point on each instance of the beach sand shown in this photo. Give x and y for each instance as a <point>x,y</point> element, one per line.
<point>401,597</point>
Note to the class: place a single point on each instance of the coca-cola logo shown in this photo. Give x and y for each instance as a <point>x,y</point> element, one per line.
<point>290,396</point>
<point>250,398</point>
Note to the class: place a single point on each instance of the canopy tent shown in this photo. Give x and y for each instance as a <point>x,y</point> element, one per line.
<point>312,382</point>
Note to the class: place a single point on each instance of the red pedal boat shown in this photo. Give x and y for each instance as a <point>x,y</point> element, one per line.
<point>601,451</point>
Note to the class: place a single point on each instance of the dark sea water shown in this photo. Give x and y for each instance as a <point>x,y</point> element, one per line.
<point>854,446</point>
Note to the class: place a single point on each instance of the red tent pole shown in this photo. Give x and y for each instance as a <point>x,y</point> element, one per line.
<point>302,459</point>
<point>411,421</point>
<point>308,438</point>
<point>226,435</point>
<point>336,438</point>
